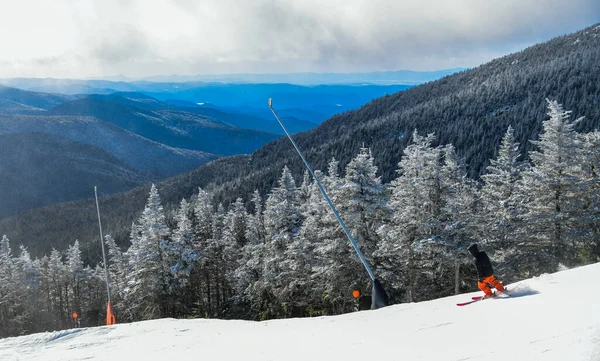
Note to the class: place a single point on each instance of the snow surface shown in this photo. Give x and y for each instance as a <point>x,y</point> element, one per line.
<point>551,317</point>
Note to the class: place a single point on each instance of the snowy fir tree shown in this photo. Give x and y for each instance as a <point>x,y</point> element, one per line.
<point>148,279</point>
<point>75,271</point>
<point>589,223</point>
<point>362,202</point>
<point>255,233</point>
<point>234,239</point>
<point>179,251</point>
<point>416,208</point>
<point>502,207</point>
<point>8,287</point>
<point>444,249</point>
<point>282,222</point>
<point>337,270</point>
<point>302,290</point>
<point>117,270</point>
<point>246,282</point>
<point>554,186</point>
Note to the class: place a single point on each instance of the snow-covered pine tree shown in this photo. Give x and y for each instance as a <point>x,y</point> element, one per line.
<point>146,292</point>
<point>6,268</point>
<point>246,278</point>
<point>304,190</point>
<point>282,217</point>
<point>554,187</point>
<point>256,222</point>
<point>337,269</point>
<point>200,276</point>
<point>362,203</point>
<point>500,216</point>
<point>180,252</point>
<point>416,208</point>
<point>203,212</point>
<point>180,259</point>
<point>213,255</point>
<point>444,252</point>
<point>8,287</point>
<point>234,239</point>
<point>590,223</point>
<point>56,273</point>
<point>301,291</point>
<point>282,222</point>
<point>117,270</point>
<point>75,275</point>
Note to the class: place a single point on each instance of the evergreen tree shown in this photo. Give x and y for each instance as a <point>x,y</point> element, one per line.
<point>56,277</point>
<point>246,278</point>
<point>76,275</point>
<point>502,208</point>
<point>200,276</point>
<point>117,270</point>
<point>147,281</point>
<point>554,186</point>
<point>282,221</point>
<point>445,251</point>
<point>590,223</point>
<point>7,289</point>
<point>416,205</point>
<point>179,251</point>
<point>256,222</point>
<point>301,290</point>
<point>362,202</point>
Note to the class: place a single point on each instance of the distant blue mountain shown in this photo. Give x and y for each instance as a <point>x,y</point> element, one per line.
<point>313,104</point>
<point>167,125</point>
<point>407,77</point>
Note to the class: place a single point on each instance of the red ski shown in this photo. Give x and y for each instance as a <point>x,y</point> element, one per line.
<point>479,298</point>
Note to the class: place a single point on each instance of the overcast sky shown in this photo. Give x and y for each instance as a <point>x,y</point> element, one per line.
<point>136,38</point>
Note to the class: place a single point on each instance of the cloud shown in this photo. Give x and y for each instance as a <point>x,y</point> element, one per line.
<point>142,38</point>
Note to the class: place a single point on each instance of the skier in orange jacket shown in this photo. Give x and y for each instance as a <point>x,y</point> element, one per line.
<point>485,271</point>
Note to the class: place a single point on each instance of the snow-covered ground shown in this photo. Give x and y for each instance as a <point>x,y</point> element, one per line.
<point>551,317</point>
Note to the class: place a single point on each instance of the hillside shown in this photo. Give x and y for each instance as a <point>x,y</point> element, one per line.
<point>57,170</point>
<point>534,324</point>
<point>40,169</point>
<point>152,158</point>
<point>171,127</point>
<point>470,109</point>
<point>32,99</point>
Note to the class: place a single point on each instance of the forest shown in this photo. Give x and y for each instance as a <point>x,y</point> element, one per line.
<point>535,209</point>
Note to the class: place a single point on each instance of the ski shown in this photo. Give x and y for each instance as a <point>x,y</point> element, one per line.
<point>479,298</point>
<point>468,302</point>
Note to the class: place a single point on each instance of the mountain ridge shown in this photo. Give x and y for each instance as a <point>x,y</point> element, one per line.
<point>471,109</point>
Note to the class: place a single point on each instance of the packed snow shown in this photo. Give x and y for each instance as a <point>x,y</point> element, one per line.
<point>550,317</point>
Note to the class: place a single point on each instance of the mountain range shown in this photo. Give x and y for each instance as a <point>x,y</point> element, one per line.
<point>155,138</point>
<point>471,109</point>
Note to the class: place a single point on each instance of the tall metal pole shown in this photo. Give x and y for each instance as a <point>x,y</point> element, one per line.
<point>379,296</point>
<point>337,215</point>
<point>102,242</point>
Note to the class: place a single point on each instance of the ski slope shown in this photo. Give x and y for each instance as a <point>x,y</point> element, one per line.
<point>551,317</point>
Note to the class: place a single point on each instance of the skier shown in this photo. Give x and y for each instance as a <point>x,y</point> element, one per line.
<point>485,271</point>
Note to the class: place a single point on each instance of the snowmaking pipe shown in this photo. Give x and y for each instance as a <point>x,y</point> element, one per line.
<point>102,243</point>
<point>379,297</point>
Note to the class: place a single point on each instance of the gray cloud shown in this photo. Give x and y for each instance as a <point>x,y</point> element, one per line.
<point>142,38</point>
